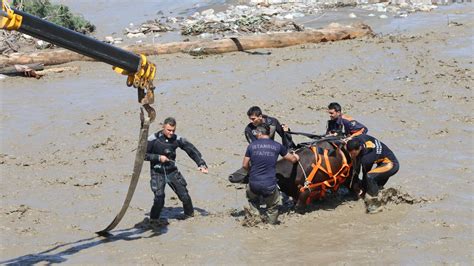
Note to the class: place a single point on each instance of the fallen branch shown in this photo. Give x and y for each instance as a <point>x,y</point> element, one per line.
<point>28,70</point>
<point>57,70</point>
<point>333,32</point>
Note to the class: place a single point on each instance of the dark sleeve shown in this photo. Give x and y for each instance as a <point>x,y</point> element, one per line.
<point>283,150</point>
<point>248,152</point>
<point>150,156</point>
<point>367,161</point>
<point>279,130</point>
<point>192,151</point>
<point>248,134</point>
<point>334,127</point>
<point>328,127</point>
<point>354,128</point>
<point>356,170</point>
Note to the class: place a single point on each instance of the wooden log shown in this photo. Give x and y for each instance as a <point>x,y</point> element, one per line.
<point>57,70</point>
<point>333,32</point>
<point>19,70</point>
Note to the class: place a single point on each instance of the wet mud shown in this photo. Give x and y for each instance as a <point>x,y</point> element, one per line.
<point>68,140</point>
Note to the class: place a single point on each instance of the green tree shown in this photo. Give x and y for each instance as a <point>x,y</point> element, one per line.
<point>57,14</point>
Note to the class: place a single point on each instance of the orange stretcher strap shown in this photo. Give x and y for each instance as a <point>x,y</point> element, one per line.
<point>318,190</point>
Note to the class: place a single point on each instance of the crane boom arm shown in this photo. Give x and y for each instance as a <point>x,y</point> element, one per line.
<point>140,72</point>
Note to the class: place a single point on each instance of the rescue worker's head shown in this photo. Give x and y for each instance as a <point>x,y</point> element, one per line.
<point>169,127</point>
<point>263,130</point>
<point>255,115</point>
<point>354,146</point>
<point>334,110</point>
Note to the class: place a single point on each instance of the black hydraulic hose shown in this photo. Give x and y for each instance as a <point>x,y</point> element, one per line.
<point>77,42</point>
<point>309,135</point>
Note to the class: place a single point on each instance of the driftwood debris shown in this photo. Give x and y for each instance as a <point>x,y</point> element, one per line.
<point>34,70</point>
<point>333,32</point>
<point>16,70</point>
<point>29,70</point>
<point>57,70</point>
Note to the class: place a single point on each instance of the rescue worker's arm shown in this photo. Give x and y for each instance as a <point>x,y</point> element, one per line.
<point>292,157</point>
<point>356,170</point>
<point>329,127</point>
<point>334,128</point>
<point>248,134</point>
<point>246,163</point>
<point>193,153</point>
<point>366,163</point>
<point>153,157</point>
<point>286,139</point>
<point>353,127</point>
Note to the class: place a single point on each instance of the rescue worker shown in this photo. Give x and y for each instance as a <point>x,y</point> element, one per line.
<point>257,118</point>
<point>366,151</point>
<point>260,158</point>
<point>161,152</point>
<point>343,125</point>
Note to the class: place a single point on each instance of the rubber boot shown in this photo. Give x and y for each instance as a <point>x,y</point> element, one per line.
<point>158,204</point>
<point>372,187</point>
<point>372,204</point>
<point>273,218</point>
<point>188,210</point>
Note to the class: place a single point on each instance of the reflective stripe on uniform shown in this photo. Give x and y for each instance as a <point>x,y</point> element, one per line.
<point>386,166</point>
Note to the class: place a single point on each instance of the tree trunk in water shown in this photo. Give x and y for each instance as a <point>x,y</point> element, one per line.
<point>333,32</point>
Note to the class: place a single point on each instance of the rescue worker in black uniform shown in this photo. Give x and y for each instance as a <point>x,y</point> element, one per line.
<point>161,152</point>
<point>343,125</point>
<point>366,151</point>
<point>257,118</point>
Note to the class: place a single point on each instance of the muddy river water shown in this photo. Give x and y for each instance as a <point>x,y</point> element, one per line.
<point>67,150</point>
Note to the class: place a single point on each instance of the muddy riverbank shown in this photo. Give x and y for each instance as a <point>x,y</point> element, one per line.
<point>67,144</point>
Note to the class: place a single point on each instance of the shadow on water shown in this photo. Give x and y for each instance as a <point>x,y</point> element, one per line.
<point>176,213</point>
<point>332,200</point>
<point>52,255</point>
<point>329,203</point>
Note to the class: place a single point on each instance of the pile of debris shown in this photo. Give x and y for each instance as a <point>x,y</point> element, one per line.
<point>256,24</point>
<point>13,41</point>
<point>269,16</point>
<point>400,9</point>
<point>149,27</point>
<point>241,19</point>
<point>10,42</point>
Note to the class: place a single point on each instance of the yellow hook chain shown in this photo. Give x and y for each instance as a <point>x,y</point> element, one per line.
<point>9,20</point>
<point>143,81</point>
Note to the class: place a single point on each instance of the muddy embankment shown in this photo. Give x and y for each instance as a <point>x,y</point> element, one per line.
<point>68,141</point>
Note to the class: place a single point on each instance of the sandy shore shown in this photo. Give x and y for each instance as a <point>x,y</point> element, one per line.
<point>67,144</point>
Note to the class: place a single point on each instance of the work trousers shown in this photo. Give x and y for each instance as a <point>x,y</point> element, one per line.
<point>272,202</point>
<point>177,183</point>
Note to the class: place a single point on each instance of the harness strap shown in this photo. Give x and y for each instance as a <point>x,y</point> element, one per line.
<point>318,190</point>
<point>316,166</point>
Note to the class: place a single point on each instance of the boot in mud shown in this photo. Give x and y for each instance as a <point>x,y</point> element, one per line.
<point>185,216</point>
<point>372,204</point>
<point>251,218</point>
<point>143,224</point>
<point>148,223</point>
<point>188,211</point>
<point>300,209</point>
<point>273,219</point>
<point>157,223</point>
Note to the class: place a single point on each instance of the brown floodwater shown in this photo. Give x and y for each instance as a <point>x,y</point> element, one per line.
<point>68,140</point>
